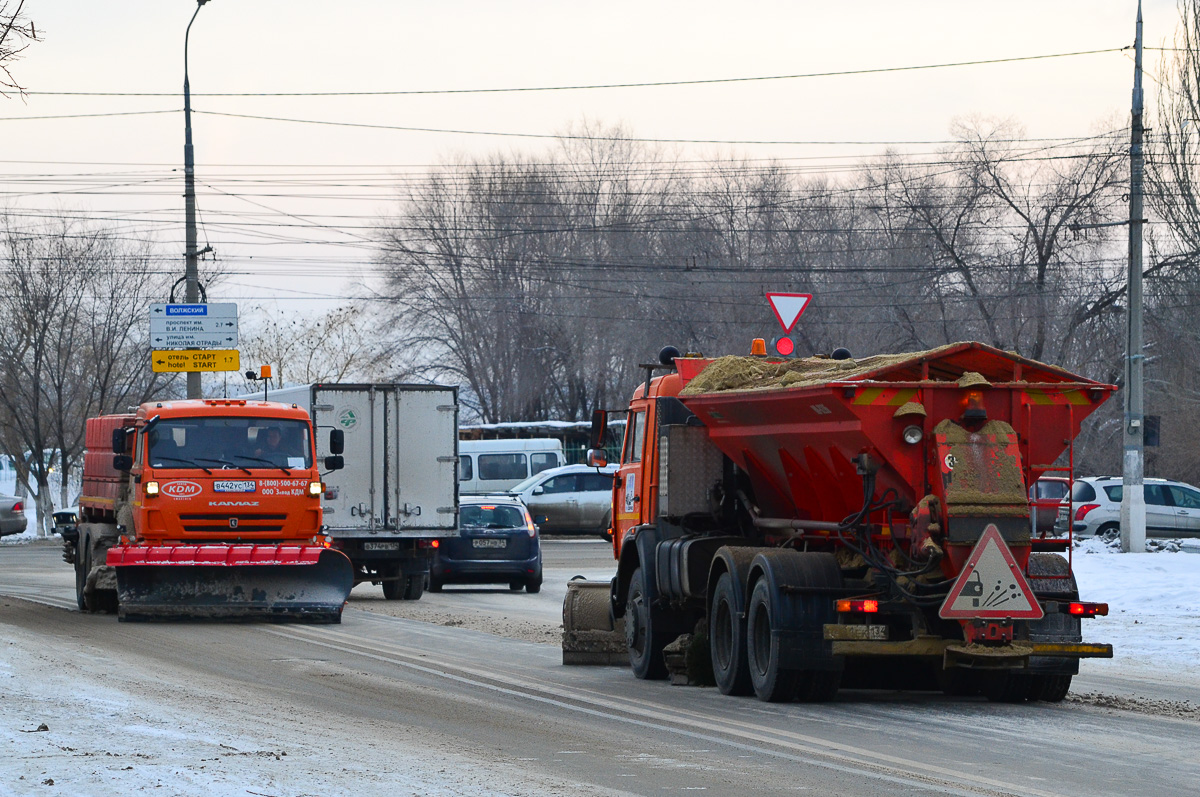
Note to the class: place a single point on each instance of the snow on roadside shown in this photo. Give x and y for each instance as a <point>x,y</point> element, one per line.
<point>1154,608</point>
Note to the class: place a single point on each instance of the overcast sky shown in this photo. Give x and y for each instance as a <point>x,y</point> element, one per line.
<point>118,167</point>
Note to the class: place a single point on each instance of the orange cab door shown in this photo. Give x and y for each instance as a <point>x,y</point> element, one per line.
<point>630,507</point>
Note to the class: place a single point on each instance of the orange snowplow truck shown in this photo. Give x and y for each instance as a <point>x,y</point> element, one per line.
<point>808,523</point>
<point>207,509</point>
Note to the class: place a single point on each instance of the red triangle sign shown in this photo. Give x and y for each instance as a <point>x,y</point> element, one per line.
<point>991,585</point>
<point>788,307</point>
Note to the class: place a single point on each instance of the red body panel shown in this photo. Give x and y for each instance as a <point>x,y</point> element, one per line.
<point>227,555</point>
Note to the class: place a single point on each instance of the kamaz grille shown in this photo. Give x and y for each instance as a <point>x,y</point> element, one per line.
<point>246,521</point>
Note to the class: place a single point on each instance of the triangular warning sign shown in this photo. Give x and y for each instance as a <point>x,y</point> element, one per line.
<point>788,307</point>
<point>991,585</point>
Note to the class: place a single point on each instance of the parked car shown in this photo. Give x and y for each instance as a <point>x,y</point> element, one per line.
<point>1047,488</point>
<point>497,542</point>
<point>572,499</point>
<point>12,515</point>
<point>1172,508</point>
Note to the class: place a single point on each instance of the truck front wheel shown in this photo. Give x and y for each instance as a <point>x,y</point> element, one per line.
<point>81,574</point>
<point>644,638</point>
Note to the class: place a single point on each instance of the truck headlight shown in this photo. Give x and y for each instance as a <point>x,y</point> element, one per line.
<point>315,488</point>
<point>151,489</point>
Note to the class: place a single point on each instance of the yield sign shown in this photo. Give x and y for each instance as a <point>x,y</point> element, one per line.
<point>788,307</point>
<point>991,585</point>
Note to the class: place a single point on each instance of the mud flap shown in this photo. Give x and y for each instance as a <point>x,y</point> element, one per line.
<point>252,583</point>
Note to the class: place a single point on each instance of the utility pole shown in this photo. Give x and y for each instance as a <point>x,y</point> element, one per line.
<point>192,256</point>
<point>1133,502</point>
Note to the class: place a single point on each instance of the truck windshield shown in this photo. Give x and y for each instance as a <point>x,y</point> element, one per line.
<point>230,442</point>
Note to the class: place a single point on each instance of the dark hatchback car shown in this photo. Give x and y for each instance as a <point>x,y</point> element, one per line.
<point>496,543</point>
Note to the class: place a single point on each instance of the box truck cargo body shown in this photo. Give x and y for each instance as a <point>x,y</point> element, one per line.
<point>397,493</point>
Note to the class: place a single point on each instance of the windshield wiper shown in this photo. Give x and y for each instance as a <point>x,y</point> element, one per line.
<point>226,462</point>
<point>154,456</point>
<point>269,462</point>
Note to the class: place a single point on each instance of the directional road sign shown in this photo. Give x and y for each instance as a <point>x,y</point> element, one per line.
<point>189,326</point>
<point>211,360</point>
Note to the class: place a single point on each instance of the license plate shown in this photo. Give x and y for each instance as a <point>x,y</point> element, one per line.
<point>381,546</point>
<point>233,487</point>
<point>489,543</point>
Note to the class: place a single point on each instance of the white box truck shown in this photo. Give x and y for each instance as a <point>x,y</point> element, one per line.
<point>398,491</point>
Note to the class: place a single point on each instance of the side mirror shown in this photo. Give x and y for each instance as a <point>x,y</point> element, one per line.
<point>337,441</point>
<point>539,490</point>
<point>122,462</point>
<point>118,441</point>
<point>597,458</point>
<point>335,462</point>
<point>599,428</point>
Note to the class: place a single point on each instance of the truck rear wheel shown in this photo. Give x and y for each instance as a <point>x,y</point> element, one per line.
<point>771,682</point>
<point>414,586</point>
<point>727,641</point>
<point>1051,687</point>
<point>644,637</point>
<point>1008,687</point>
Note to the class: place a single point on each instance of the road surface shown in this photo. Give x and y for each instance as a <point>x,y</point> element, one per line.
<point>459,698</point>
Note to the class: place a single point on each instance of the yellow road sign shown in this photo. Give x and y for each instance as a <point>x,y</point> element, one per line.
<point>195,360</point>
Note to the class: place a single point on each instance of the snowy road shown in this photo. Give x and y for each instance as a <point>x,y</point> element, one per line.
<point>396,705</point>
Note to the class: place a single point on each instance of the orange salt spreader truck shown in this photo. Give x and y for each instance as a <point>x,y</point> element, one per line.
<point>812,522</point>
<point>206,509</point>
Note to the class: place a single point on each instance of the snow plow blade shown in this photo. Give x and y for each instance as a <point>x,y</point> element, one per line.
<point>589,634</point>
<point>231,582</point>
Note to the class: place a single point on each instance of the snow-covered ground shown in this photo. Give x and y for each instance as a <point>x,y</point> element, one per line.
<point>1154,608</point>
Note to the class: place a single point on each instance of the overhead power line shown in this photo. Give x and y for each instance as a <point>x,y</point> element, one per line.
<point>576,137</point>
<point>586,87</point>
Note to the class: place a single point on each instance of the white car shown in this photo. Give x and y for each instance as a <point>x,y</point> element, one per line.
<point>572,499</point>
<point>1172,508</point>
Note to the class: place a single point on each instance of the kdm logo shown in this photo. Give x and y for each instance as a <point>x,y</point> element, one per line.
<point>181,489</point>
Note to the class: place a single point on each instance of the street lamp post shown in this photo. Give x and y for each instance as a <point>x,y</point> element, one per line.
<point>192,272</point>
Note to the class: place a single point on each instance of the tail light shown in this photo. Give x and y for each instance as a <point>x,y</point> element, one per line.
<point>529,527</point>
<point>18,507</point>
<point>863,606</point>
<point>1083,510</point>
<point>1088,609</point>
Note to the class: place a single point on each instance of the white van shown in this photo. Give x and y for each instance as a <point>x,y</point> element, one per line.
<point>491,466</point>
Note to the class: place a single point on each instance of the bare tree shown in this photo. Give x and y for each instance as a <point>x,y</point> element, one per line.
<point>16,32</point>
<point>342,345</point>
<point>74,344</point>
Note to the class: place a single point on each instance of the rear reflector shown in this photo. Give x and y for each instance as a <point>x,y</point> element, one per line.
<point>865,606</point>
<point>1088,609</point>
